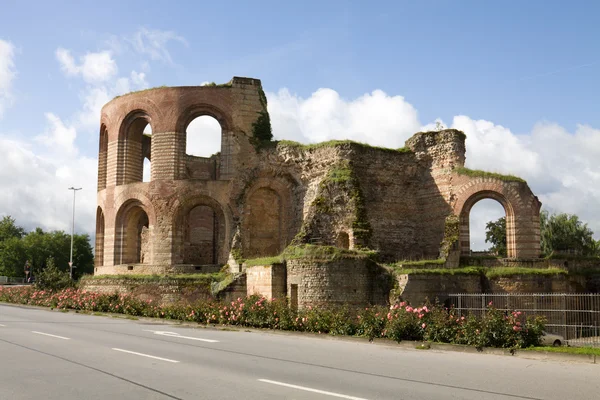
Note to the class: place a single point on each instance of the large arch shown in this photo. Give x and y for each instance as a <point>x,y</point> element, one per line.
<point>133,147</point>
<point>521,208</point>
<point>102,157</point>
<point>227,148</point>
<point>266,226</point>
<point>200,231</point>
<point>99,247</point>
<point>132,234</point>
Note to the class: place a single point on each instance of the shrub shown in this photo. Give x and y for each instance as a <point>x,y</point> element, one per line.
<point>433,323</point>
<point>53,279</point>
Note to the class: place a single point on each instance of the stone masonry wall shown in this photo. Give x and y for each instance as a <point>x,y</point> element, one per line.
<point>346,281</point>
<point>266,280</point>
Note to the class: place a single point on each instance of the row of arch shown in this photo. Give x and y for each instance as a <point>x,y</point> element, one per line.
<point>202,138</point>
<point>200,230</point>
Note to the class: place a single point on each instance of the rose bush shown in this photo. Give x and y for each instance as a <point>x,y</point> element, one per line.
<point>495,328</point>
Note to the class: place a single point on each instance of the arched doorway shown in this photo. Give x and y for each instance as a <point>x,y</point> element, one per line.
<point>199,232</point>
<point>132,235</point>
<point>487,228</point>
<point>465,234</point>
<point>201,236</point>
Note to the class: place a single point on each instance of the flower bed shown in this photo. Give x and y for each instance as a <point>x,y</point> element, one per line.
<point>398,322</point>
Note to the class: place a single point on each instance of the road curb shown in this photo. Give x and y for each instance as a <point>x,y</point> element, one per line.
<point>405,344</point>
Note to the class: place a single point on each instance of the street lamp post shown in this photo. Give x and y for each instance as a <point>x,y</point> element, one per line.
<point>74,189</point>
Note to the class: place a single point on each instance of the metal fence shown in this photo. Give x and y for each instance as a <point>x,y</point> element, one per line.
<point>7,280</point>
<point>574,316</point>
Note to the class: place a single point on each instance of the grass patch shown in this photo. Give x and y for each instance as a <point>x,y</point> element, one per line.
<point>141,91</point>
<point>484,174</point>
<point>490,273</point>
<point>325,253</point>
<point>264,261</point>
<point>590,351</point>
<point>312,252</point>
<point>212,277</point>
<point>334,143</point>
<point>440,271</point>
<point>498,272</point>
<point>438,261</point>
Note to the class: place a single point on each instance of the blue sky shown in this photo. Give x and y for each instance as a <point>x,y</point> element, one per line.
<point>522,73</point>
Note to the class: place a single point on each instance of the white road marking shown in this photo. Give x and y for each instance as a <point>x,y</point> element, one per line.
<point>2,325</point>
<point>146,355</point>
<point>307,389</point>
<point>177,335</point>
<point>54,336</point>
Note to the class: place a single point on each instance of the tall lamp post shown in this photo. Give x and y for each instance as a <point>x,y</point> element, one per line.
<point>74,189</point>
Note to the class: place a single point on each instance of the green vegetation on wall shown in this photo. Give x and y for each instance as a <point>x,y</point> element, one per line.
<point>334,143</point>
<point>261,128</point>
<point>312,252</point>
<point>484,174</point>
<point>341,177</point>
<point>451,235</point>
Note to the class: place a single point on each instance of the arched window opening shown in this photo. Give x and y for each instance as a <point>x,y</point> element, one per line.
<point>203,137</point>
<point>487,228</point>
<point>343,240</point>
<point>203,142</point>
<point>134,146</point>
<point>99,247</point>
<point>133,237</point>
<point>263,224</point>
<point>146,153</point>
<point>102,158</point>
<point>201,233</point>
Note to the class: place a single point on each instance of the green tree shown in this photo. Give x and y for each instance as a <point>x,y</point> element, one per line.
<point>12,257</point>
<point>560,233</point>
<point>566,233</point>
<point>495,233</point>
<point>8,229</point>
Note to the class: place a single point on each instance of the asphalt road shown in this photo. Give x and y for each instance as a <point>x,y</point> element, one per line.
<point>54,355</point>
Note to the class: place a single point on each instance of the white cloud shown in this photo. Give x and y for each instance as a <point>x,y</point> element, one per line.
<point>7,73</point>
<point>93,67</point>
<point>374,118</point>
<point>35,187</point>
<point>58,137</point>
<point>153,43</point>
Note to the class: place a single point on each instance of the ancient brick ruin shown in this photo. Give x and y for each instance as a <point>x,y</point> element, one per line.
<point>254,197</point>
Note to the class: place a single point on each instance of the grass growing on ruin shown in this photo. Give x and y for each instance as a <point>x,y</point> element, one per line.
<point>438,261</point>
<point>498,272</point>
<point>264,261</point>
<point>141,91</point>
<point>311,252</point>
<point>439,271</point>
<point>207,277</point>
<point>334,143</point>
<point>485,174</point>
<point>326,253</point>
<point>495,272</point>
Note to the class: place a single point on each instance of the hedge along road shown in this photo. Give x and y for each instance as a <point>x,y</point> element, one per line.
<point>55,355</point>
